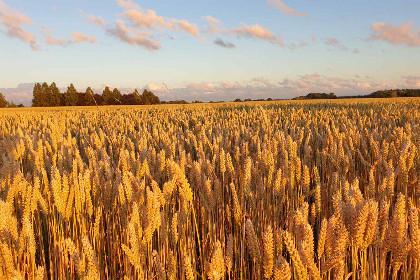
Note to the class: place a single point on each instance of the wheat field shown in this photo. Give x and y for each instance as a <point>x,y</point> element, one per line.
<point>259,190</point>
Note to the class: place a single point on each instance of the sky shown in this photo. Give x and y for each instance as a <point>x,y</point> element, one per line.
<point>210,50</point>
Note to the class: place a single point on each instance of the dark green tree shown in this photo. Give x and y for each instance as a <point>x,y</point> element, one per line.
<point>89,97</point>
<point>3,102</point>
<point>71,96</point>
<point>107,96</point>
<point>37,95</point>
<point>116,95</point>
<point>45,96</point>
<point>149,98</point>
<point>55,95</point>
<point>138,99</point>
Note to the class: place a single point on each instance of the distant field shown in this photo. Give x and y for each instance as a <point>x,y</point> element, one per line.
<point>314,189</point>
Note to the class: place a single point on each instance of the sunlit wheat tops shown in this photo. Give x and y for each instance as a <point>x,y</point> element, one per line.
<point>269,190</point>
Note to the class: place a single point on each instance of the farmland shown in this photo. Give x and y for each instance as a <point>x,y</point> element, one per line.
<point>275,190</point>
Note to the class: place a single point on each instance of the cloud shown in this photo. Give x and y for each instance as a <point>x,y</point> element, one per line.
<point>152,21</point>
<point>255,88</point>
<point>148,20</point>
<point>224,44</point>
<point>153,87</point>
<point>13,21</point>
<point>301,44</point>
<point>263,81</point>
<point>412,81</point>
<point>78,37</point>
<point>262,88</point>
<point>258,32</point>
<point>212,20</point>
<point>128,4</point>
<point>334,42</point>
<point>314,39</point>
<point>279,5</point>
<point>405,34</point>
<point>93,19</point>
<point>212,29</point>
<point>213,26</point>
<point>341,86</point>
<point>184,25</point>
<point>20,94</point>
<point>134,37</point>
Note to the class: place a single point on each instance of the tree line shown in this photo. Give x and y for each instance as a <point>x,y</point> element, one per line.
<point>5,104</point>
<point>45,95</point>
<point>316,95</point>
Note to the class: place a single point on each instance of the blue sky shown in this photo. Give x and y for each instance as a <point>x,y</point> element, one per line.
<point>210,50</point>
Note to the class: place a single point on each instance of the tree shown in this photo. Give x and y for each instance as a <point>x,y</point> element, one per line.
<point>3,102</point>
<point>89,99</point>
<point>138,98</point>
<point>128,99</point>
<point>71,96</point>
<point>98,99</point>
<point>45,96</point>
<point>37,95</point>
<point>116,94</point>
<point>149,98</point>
<point>107,96</point>
<point>55,95</point>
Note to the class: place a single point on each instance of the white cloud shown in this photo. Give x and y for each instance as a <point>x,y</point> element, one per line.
<point>147,19</point>
<point>152,21</point>
<point>258,32</point>
<point>212,20</point>
<point>405,34</point>
<point>78,37</point>
<point>93,19</point>
<point>412,81</point>
<point>279,5</point>
<point>134,36</point>
<point>13,21</point>
<point>154,87</point>
<point>127,4</point>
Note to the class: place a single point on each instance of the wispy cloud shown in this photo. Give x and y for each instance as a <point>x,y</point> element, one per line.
<point>404,34</point>
<point>212,20</point>
<point>224,44</point>
<point>147,19</point>
<point>301,44</point>
<point>93,19</point>
<point>13,21</point>
<point>214,26</point>
<point>412,81</point>
<point>334,42</point>
<point>152,21</point>
<point>258,32</point>
<point>137,27</point>
<point>134,36</point>
<point>279,5</point>
<point>78,37</point>
<point>128,4</point>
<point>184,25</point>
